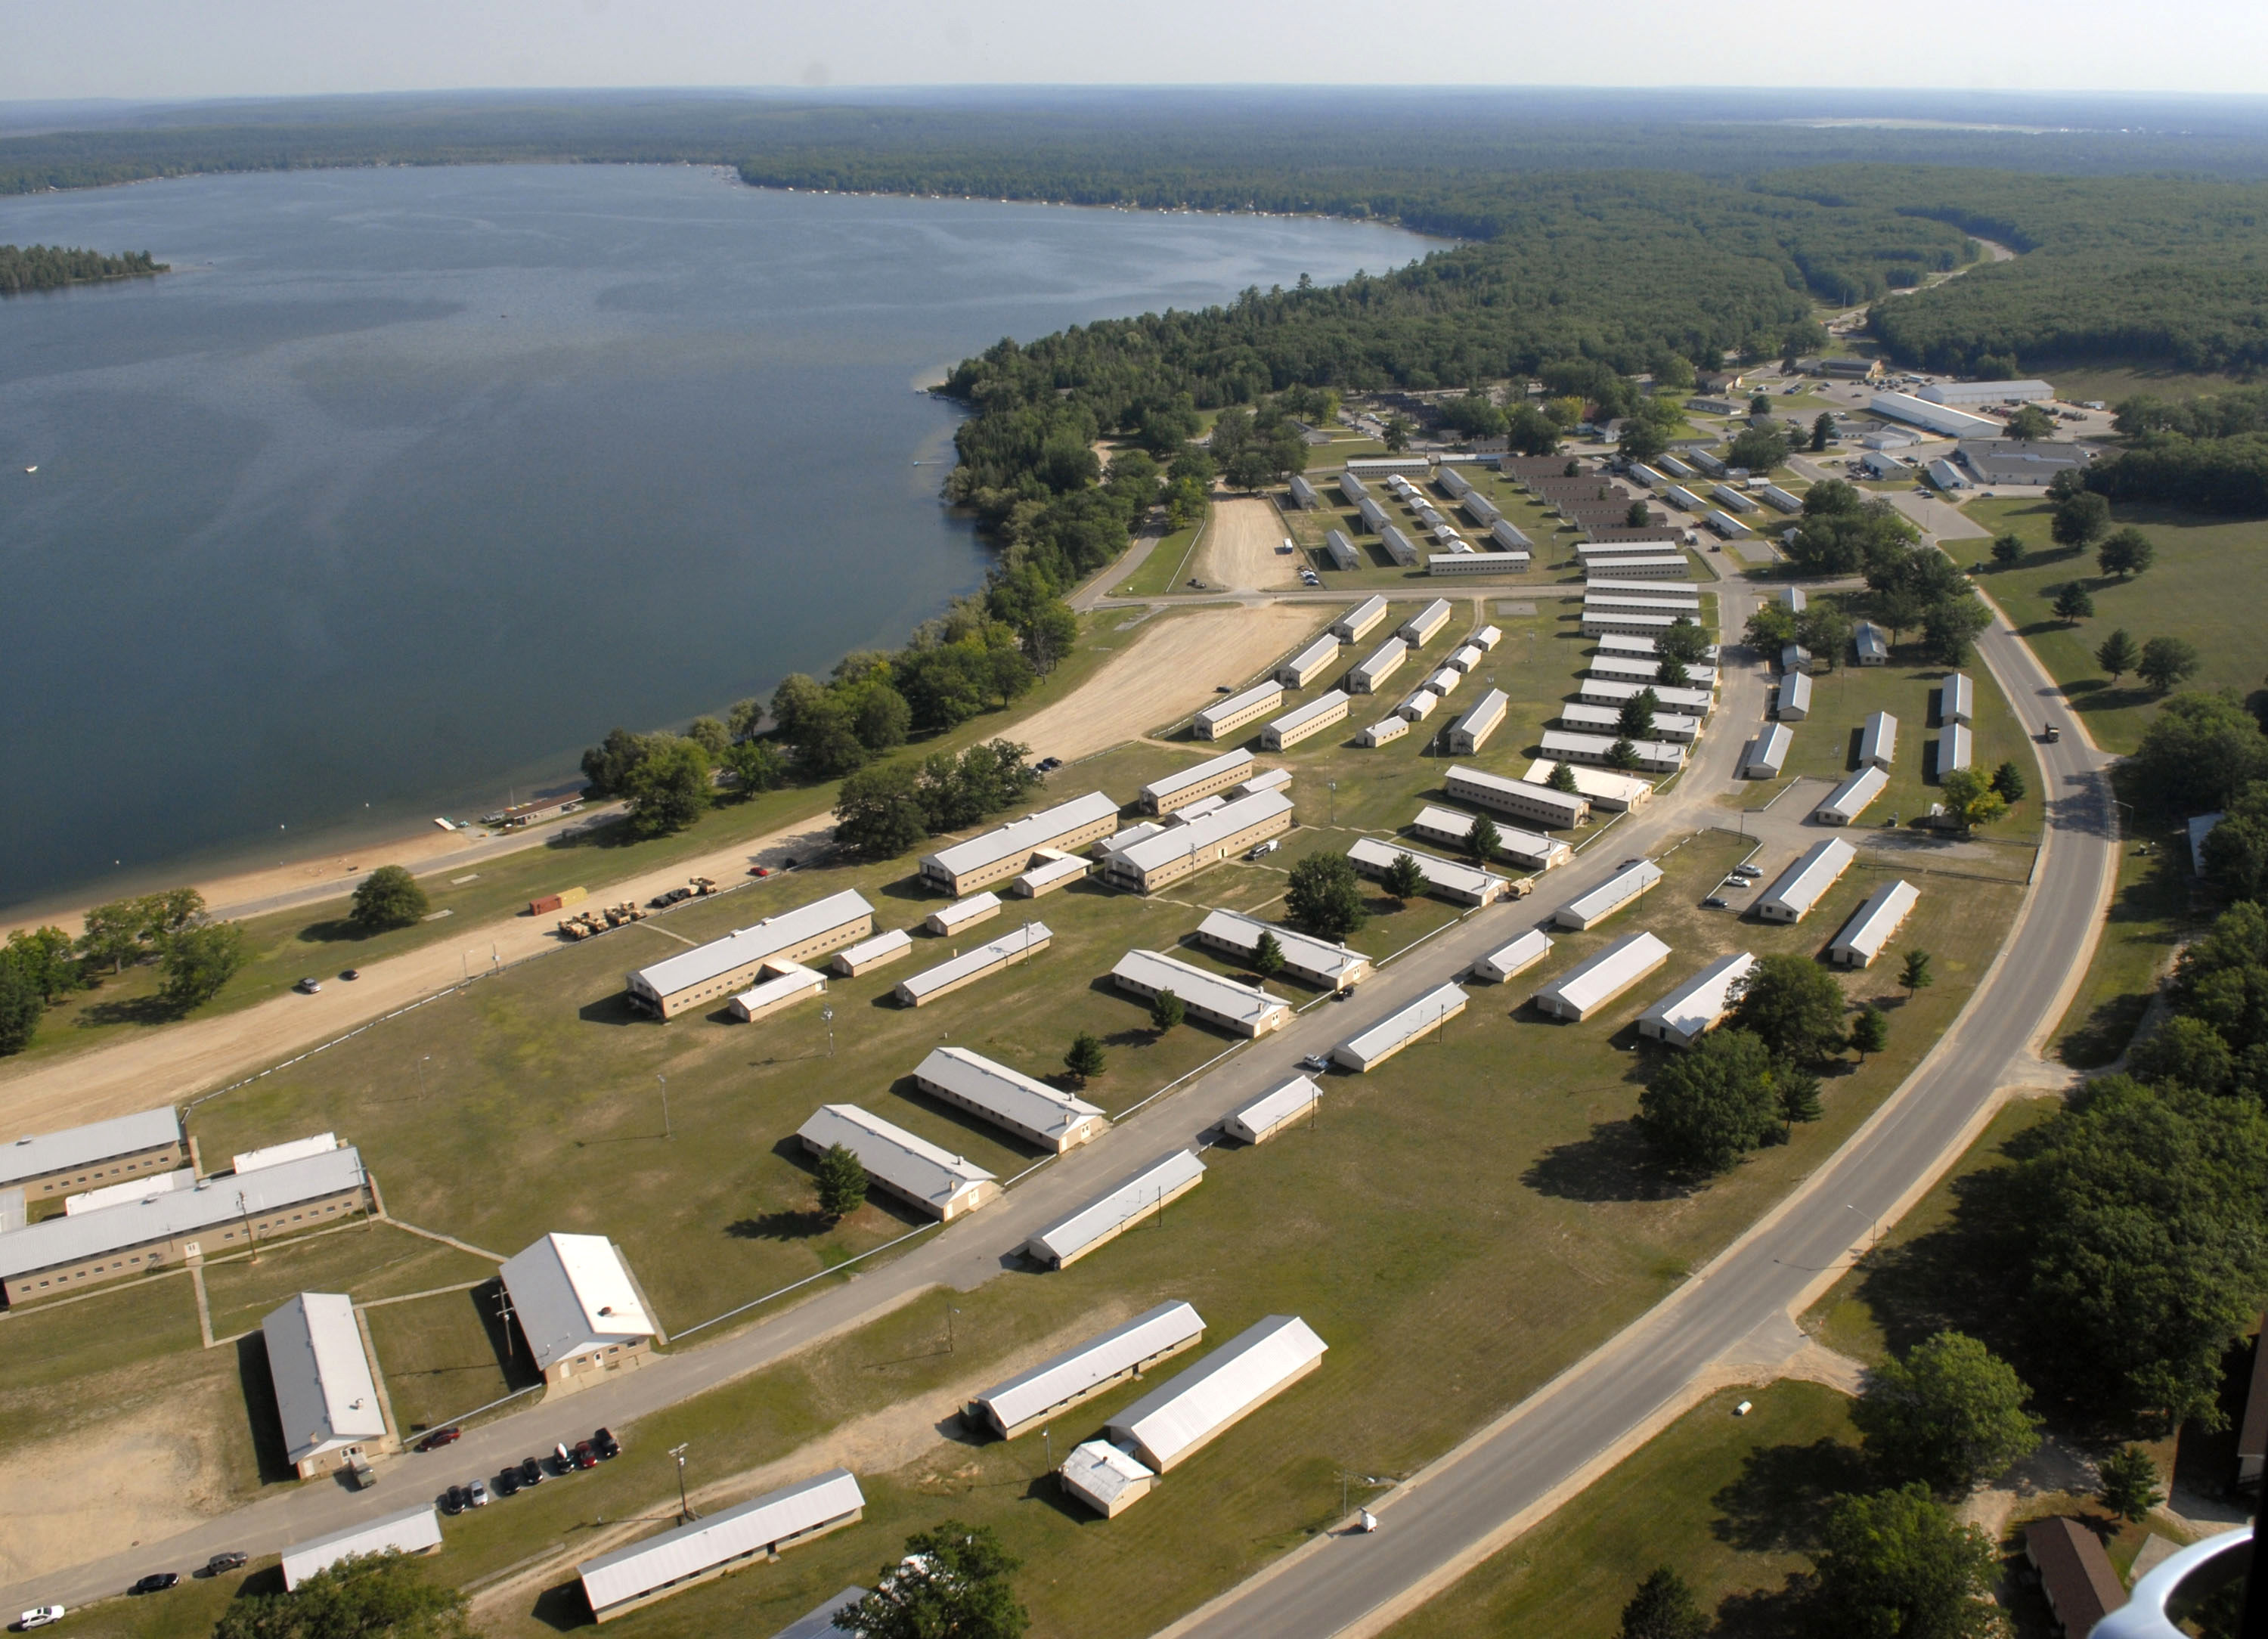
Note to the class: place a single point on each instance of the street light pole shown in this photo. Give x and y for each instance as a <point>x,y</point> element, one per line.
<point>949,1313</point>
<point>666,1130</point>
<point>685,1514</point>
<point>827,1018</point>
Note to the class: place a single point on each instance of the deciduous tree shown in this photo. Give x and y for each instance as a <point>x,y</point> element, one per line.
<point>43,955</point>
<point>1970,798</point>
<point>879,813</point>
<point>383,1596</point>
<point>1898,1563</point>
<point>1683,641</point>
<point>670,787</point>
<point>2125,553</point>
<point>2079,520</point>
<point>2073,603</point>
<point>2199,752</point>
<point>1794,1006</point>
<point>1950,1413</point>
<point>2167,662</point>
<point>21,1009</point>
<point>388,897</point>
<point>1166,1010</point>
<point>2007,549</point>
<point>1324,895</point>
<point>1702,1110</point>
<point>952,1584</point>
<point>197,961</point>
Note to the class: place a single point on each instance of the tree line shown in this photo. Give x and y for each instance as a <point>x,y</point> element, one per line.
<point>51,267</point>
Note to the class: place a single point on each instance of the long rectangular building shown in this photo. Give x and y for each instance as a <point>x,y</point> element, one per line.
<point>1955,749</point>
<point>712,972</point>
<point>1873,925</point>
<point>1091,1368</point>
<point>1531,850</point>
<point>1672,726</point>
<point>1306,666</point>
<point>1216,722</point>
<point>1523,799</point>
<point>1766,755</point>
<point>1441,563</point>
<point>1656,757</point>
<point>1500,966</point>
<point>1009,1099</point>
<point>325,1391</point>
<point>1241,1010</point>
<point>1595,983</point>
<point>1447,878</point>
<point>920,989</point>
<point>1797,890</point>
<point>1341,550</point>
<point>923,1175</point>
<point>1603,788</point>
<point>998,855</point>
<point>1938,418</point>
<point>45,1165</point>
<point>629,1578</point>
<point>1608,691</point>
<point>1259,1122</point>
<point>1108,1217</point>
<point>1303,493</point>
<point>1646,566</point>
<point>1307,722</point>
<point>1194,783</point>
<point>1382,663</point>
<point>1183,850</point>
<point>1473,730</point>
<point>1692,1011</point>
<point>1368,1049</point>
<point>1379,733</point>
<point>1847,801</point>
<point>1601,622</point>
<point>1956,699</point>
<point>1878,740</point>
<point>412,1531</point>
<point>1419,629</point>
<point>221,1214</point>
<point>1359,621</point>
<point>1174,1421</point>
<point>1318,962</point>
<point>1399,546</point>
<point>1624,888</point>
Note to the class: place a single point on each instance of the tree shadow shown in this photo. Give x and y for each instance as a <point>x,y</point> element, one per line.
<point>780,1226</point>
<point>1966,1276</point>
<point>337,930</point>
<point>1614,1164</point>
<point>1779,1503</point>
<point>910,888</point>
<point>140,1009</point>
<point>1787,1612</point>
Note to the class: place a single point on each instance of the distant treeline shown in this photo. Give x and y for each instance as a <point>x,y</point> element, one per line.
<point>51,267</point>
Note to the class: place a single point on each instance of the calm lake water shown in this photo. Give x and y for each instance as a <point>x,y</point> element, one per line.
<point>407,484</point>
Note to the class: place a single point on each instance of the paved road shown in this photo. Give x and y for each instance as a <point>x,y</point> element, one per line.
<point>1442,1522</point>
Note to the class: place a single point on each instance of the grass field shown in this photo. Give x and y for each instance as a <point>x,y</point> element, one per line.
<point>2150,915</point>
<point>2208,575</point>
<point>1165,568</point>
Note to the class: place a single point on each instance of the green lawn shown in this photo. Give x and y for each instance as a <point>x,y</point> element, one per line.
<point>2210,575</point>
<point>2149,916</point>
<point>367,1261</point>
<point>1713,1497</point>
<point>1164,570</point>
<point>444,1355</point>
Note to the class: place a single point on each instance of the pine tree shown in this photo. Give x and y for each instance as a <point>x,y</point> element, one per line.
<point>1085,1057</point>
<point>2129,1482</point>
<point>1484,838</point>
<point>1166,1010</point>
<point>842,1179</point>
<point>1664,1607</point>
<point>2118,655</point>
<point>1798,1090</point>
<point>1561,778</point>
<point>2008,780</point>
<point>1914,974</point>
<point>1268,957</point>
<point>1405,879</point>
<point>1870,1031</point>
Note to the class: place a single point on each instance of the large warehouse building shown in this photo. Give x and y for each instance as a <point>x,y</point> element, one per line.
<point>1087,1370</point>
<point>623,1581</point>
<point>579,1309</point>
<point>1170,1424</point>
<point>981,862</point>
<point>918,1172</point>
<point>327,1398</point>
<point>1026,1109</point>
<point>708,974</point>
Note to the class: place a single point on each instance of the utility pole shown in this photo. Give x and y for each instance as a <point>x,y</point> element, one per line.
<point>685,1514</point>
<point>245,1212</point>
<point>949,1313</point>
<point>666,1130</point>
<point>827,1018</point>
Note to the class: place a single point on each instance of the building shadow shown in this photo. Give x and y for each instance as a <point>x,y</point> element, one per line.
<point>562,1608</point>
<point>614,1008</point>
<point>263,1419</point>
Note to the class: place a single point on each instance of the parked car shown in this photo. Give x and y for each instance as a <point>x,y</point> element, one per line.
<point>220,1564</point>
<point>308,986</point>
<point>157,1582</point>
<point>531,1472</point>
<point>1314,1063</point>
<point>1263,850</point>
<point>584,1457</point>
<point>476,1494</point>
<point>1716,902</point>
<point>440,1438</point>
<point>561,1460</point>
<point>760,870</point>
<point>452,1499</point>
<point>606,1445</point>
<point>351,975</point>
<point>507,1483</point>
<point>40,1616</point>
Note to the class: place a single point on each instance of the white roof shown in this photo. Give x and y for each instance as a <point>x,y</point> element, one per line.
<point>1324,648</point>
<point>975,908</point>
<point>1607,974</point>
<point>1321,705</point>
<point>1954,748</point>
<point>1387,654</point>
<point>1985,392</point>
<point>1487,638</point>
<point>1428,620</point>
<point>1651,753</point>
<point>1956,697</point>
<point>325,1395</point>
<point>911,1165</point>
<point>1127,1200</point>
<point>1043,875</point>
<point>1031,831</point>
<point>1797,887</point>
<point>1447,874</point>
<point>1605,784</point>
<point>166,1214</point>
<point>1198,773</point>
<point>1484,713</point>
<point>995,1089</point>
<point>1429,1009</point>
<point>1269,1108</point>
<point>1180,1416</point>
<point>744,945</point>
<point>1303,952</point>
<point>1771,747</point>
<point>1263,693</point>
<point>1617,890</point>
<point>688,1550</point>
<point>1080,1368</point>
<point>820,1624</point>
<point>41,1153</point>
<point>1702,1000</point>
<point>1100,1470</point>
<point>572,1294</point>
<point>1849,799</point>
<point>275,1155</point>
<point>1532,791</point>
<point>1608,719</point>
<point>1031,936</point>
<point>1224,998</point>
<point>1879,737</point>
<point>1225,821</point>
<point>1871,925</point>
<point>1795,692</point>
<point>1616,643</point>
<point>129,1189</point>
<point>1266,780</point>
<point>1523,953</point>
<point>1937,417</point>
<point>412,1531</point>
<point>1369,609</point>
<point>881,944</point>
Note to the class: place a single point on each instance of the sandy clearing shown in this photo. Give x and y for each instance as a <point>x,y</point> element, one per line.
<point>1170,668</point>
<point>1239,548</point>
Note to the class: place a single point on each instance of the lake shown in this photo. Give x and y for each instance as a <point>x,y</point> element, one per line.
<point>409,483</point>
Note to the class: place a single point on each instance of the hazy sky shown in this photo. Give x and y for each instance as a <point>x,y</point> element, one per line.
<point>70,48</point>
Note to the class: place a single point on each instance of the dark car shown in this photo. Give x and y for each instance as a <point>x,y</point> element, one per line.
<point>221,1563</point>
<point>584,1457</point>
<point>157,1582</point>
<point>606,1445</point>
<point>507,1483</point>
<point>351,973</point>
<point>531,1472</point>
<point>452,1499</point>
<point>1716,903</point>
<point>440,1438</point>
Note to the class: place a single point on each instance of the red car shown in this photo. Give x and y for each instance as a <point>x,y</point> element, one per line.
<point>440,1438</point>
<point>584,1457</point>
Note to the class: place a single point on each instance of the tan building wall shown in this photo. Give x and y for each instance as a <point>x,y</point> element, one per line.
<point>987,876</point>
<point>745,976</point>
<point>110,1170</point>
<point>230,1236</point>
<point>582,1371</point>
<point>1275,740</point>
<point>1190,865</point>
<point>1216,727</point>
<point>1175,801</point>
<point>1008,959</point>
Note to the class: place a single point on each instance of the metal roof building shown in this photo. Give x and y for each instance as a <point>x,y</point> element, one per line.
<point>820,1624</point>
<point>1115,1211</point>
<point>1606,587</point>
<point>275,1155</point>
<point>325,1393</point>
<point>920,989</point>
<point>1304,667</point>
<point>1046,878</point>
<point>1374,517</point>
<point>1625,887</point>
<point>1463,559</point>
<point>1379,732</point>
<point>1767,754</point>
<point>1262,1120</point>
<point>1604,788</point>
<point>1871,643</point>
<point>1502,966</point>
<point>1397,545</point>
<point>574,1297</point>
<point>1955,749</point>
<point>1791,700</point>
<point>1307,722</point>
<point>1644,669</point>
<point>1693,1010</point>
<point>1598,623</point>
<point>1266,780</point>
<point>1000,854</point>
<point>1352,488</point>
<point>1873,925</point>
<point>1938,418</point>
<point>1956,699</point>
<point>1318,961</point>
<point>1233,713</point>
<point>1878,740</point>
<point>1653,756</point>
<point>1847,801</point>
<point>1674,467</point>
<point>1421,704</point>
<point>1472,731</point>
<point>951,919</point>
<point>714,971</point>
<point>1509,538</point>
<point>1184,786</point>
<point>1031,1110</point>
<point>1640,473</point>
<point>869,954</point>
<point>1674,726</point>
<point>1726,525</point>
<point>1987,392</point>
<point>1608,691</point>
<point>1523,799</point>
<point>916,1171</point>
<point>1592,984</point>
<point>90,1156</point>
<point>1183,850</point>
<point>1106,1479</point>
<point>1359,621</point>
<point>413,1530</point>
<point>1303,493</point>
<point>1382,663</point>
<point>1799,888</point>
<point>1781,498</point>
<point>1467,656</point>
<point>1419,627</point>
<point>627,1578</point>
<point>1531,849</point>
<point>1735,499</point>
<point>1450,879</point>
<point>1341,550</point>
<point>1368,1049</point>
<point>1172,1423</point>
<point>1241,1010</point>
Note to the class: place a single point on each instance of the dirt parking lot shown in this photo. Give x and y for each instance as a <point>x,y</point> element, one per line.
<point>1239,550</point>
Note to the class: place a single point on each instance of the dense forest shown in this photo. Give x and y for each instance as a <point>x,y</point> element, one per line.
<point>51,267</point>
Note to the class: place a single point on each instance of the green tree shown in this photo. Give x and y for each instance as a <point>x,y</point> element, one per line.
<point>1166,1010</point>
<point>1870,1031</point>
<point>2007,549</point>
<point>43,955</point>
<point>1085,1058</point>
<point>2073,603</point>
<point>1683,641</point>
<point>608,763</point>
<point>2199,752</point>
<point>1324,896</point>
<point>1531,433</point>
<point>1794,1006</point>
<point>114,933</point>
<point>2125,553</point>
<point>1759,449</point>
<point>879,812</point>
<point>1622,755</point>
<point>746,719</point>
<point>1635,721</point>
<point>2186,1052</point>
<point>1771,628</point>
<point>2235,851</point>
<point>1797,1094</point>
<point>2029,421</point>
<point>1760,404</point>
<point>711,735</point>
<point>388,897</point>
<point>1641,440</point>
<point>1268,956</point>
<point>1970,799</point>
<point>1914,974</point>
<point>2130,1487</point>
<point>2008,780</point>
<point>1702,1110</point>
<point>1405,879</point>
<point>1483,838</point>
<point>1897,1564</point>
<point>197,961</point>
<point>952,1584</point>
<point>841,1177</point>
<point>2079,520</point>
<point>755,765</point>
<point>378,1596</point>
<point>1951,625</point>
<point>669,788</point>
<point>1397,433</point>
<point>1664,1607</point>
<point>816,724</point>
<point>879,716</point>
<point>2167,662</point>
<point>1823,432</point>
<point>21,1009</point>
<point>2118,654</point>
<point>1638,516</point>
<point>1673,674</point>
<point>1951,1414</point>
<point>1562,779</point>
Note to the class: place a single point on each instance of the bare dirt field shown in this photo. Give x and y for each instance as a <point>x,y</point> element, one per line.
<point>1239,548</point>
<point>1170,667</point>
